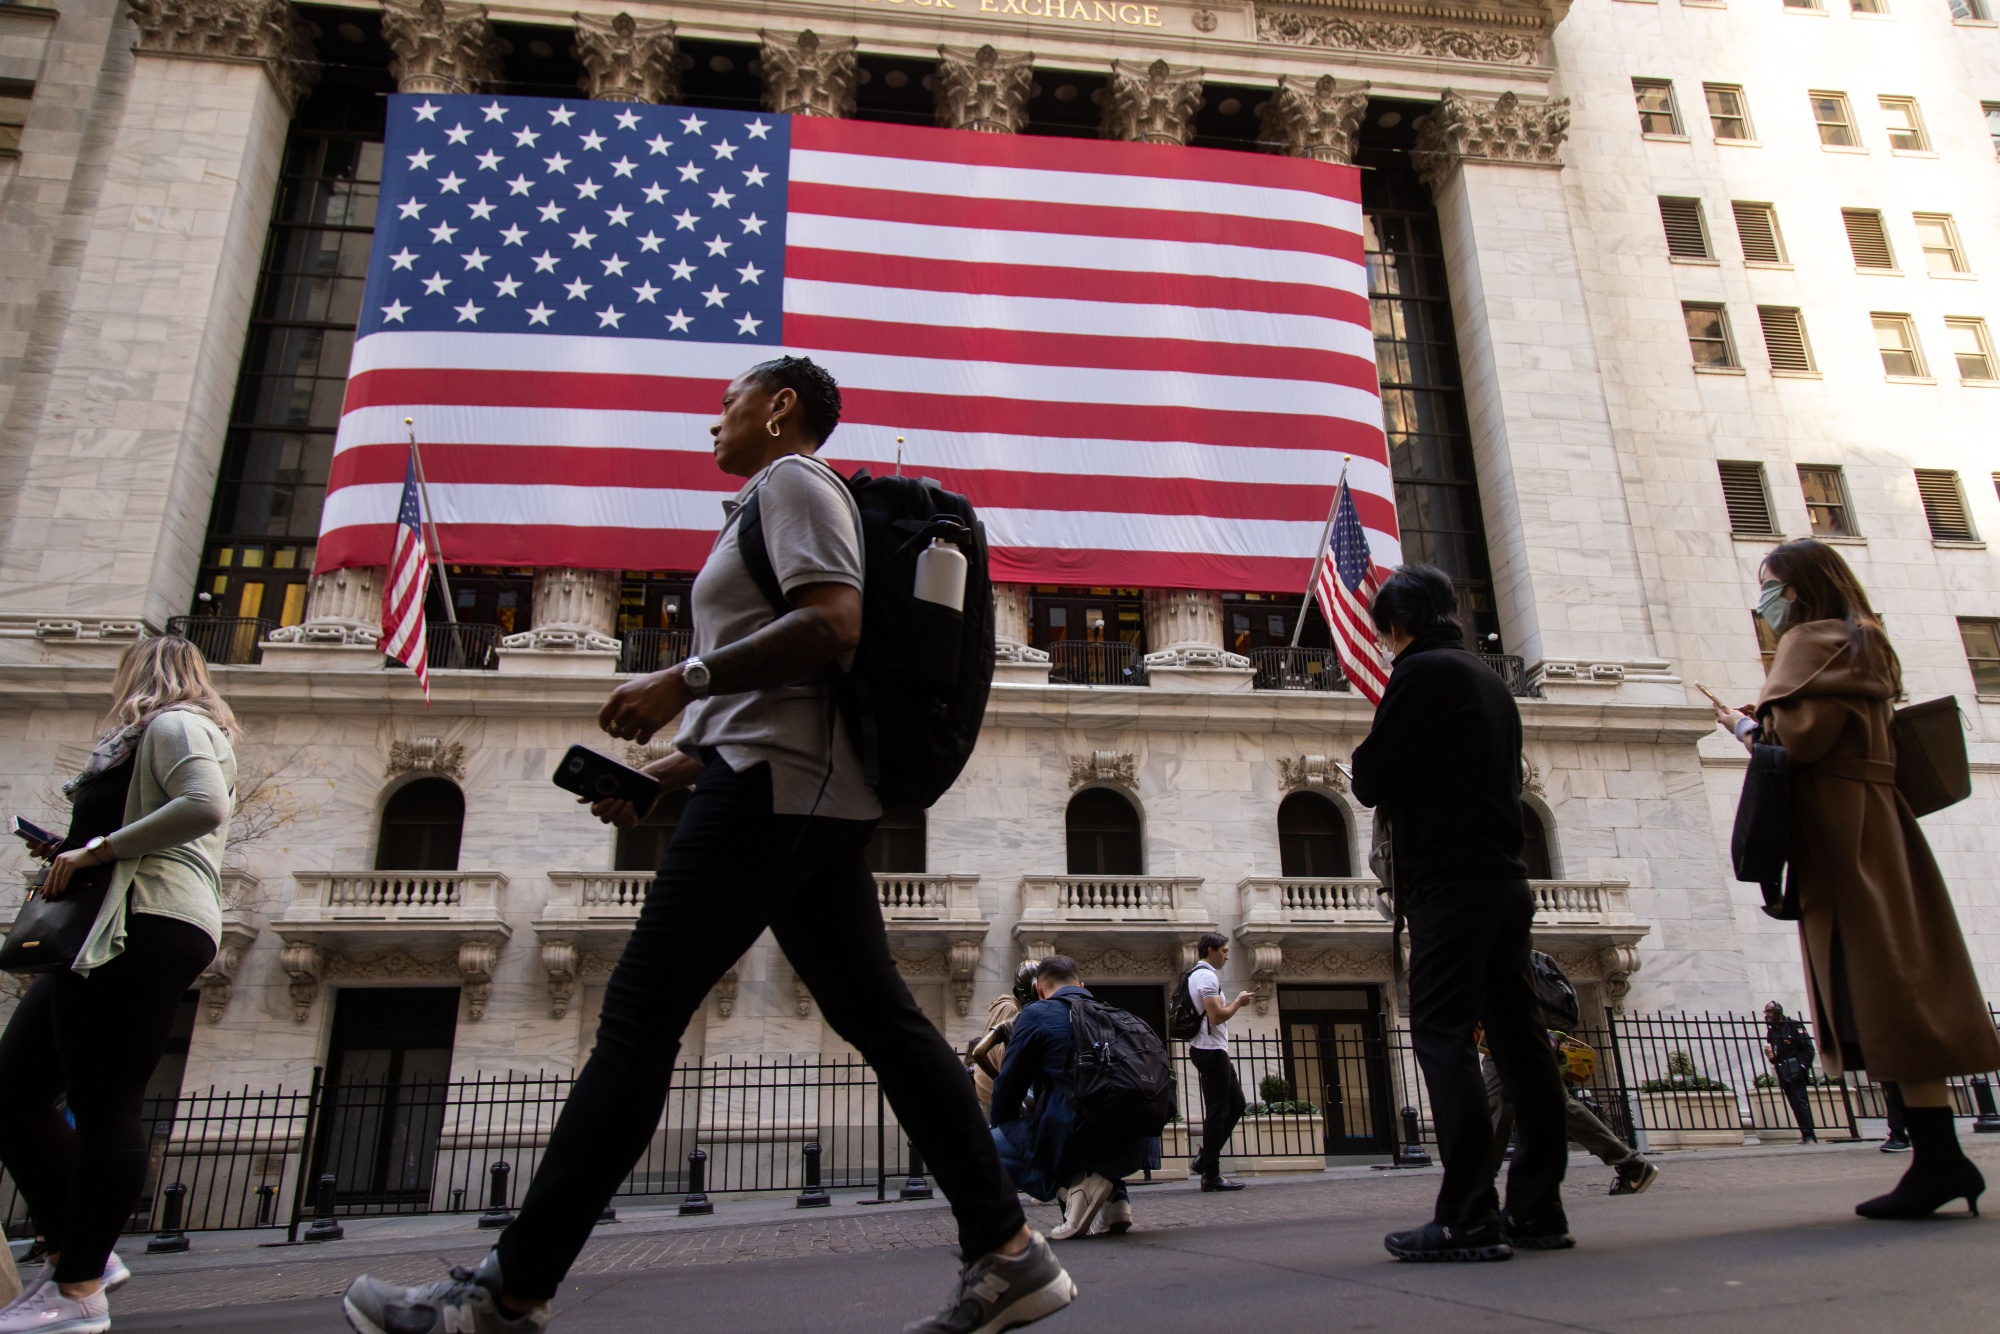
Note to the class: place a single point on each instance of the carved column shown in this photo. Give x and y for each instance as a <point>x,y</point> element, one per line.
<point>342,607</point>
<point>1013,659</point>
<point>1154,105</point>
<point>808,75</point>
<point>1477,129</point>
<point>984,90</point>
<point>1315,120</point>
<point>1185,645</point>
<point>572,609</point>
<point>626,60</point>
<point>440,46</point>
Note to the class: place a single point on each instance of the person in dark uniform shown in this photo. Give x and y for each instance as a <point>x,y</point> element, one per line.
<point>1790,1050</point>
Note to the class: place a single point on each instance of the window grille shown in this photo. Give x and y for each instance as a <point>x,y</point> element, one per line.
<point>1747,499</point>
<point>1944,506</point>
<point>1687,238</point>
<point>1757,229</point>
<point>1867,238</point>
<point>1785,338</point>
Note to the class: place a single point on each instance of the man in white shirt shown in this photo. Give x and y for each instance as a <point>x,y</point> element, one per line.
<point>1222,1099</point>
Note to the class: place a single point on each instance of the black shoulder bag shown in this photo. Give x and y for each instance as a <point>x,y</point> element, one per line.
<point>48,934</point>
<point>1760,846</point>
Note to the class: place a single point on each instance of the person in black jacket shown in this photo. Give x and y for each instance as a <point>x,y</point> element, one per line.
<point>1789,1048</point>
<point>1443,763</point>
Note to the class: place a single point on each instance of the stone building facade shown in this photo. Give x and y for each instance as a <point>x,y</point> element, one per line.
<point>1655,284</point>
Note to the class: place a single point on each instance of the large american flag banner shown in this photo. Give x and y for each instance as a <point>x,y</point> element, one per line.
<point>1145,365</point>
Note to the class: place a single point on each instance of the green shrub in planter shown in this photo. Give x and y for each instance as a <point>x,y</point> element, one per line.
<point>1682,1077</point>
<point>1274,1088</point>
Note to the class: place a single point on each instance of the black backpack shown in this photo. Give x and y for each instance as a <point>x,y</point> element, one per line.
<point>916,694</point>
<point>1555,997</point>
<point>1183,1019</point>
<point>1120,1079</point>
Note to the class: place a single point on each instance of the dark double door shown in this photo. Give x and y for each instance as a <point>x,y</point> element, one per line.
<point>383,1100</point>
<point>1336,1056</point>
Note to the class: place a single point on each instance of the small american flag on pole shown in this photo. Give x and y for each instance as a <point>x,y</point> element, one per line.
<point>403,635</point>
<point>1345,583</point>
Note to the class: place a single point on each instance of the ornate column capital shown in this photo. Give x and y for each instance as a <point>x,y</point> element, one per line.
<point>1314,119</point>
<point>573,609</point>
<point>440,46</point>
<point>808,75</point>
<point>269,31</point>
<point>626,60</point>
<point>1154,105</point>
<point>984,90</point>
<point>1479,129</point>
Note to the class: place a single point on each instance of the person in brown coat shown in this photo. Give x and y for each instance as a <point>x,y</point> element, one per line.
<point>1890,980</point>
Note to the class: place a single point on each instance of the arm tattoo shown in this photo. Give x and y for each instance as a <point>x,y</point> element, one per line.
<point>791,648</point>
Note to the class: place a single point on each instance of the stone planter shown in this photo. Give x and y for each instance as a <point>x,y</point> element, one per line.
<point>1773,1115</point>
<point>1694,1120</point>
<point>1286,1143</point>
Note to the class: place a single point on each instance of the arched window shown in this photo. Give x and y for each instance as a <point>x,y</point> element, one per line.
<point>641,847</point>
<point>1312,838</point>
<point>1535,845</point>
<point>421,827</point>
<point>898,844</point>
<point>1103,834</point>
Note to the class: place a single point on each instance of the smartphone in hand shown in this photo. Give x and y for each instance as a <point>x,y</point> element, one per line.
<point>31,832</point>
<point>600,778</point>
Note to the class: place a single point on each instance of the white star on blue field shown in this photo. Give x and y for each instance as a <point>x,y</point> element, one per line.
<point>605,219</point>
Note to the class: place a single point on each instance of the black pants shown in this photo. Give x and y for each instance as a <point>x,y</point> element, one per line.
<point>1222,1105</point>
<point>95,1039</point>
<point>1469,964</point>
<point>1795,1094</point>
<point>732,870</point>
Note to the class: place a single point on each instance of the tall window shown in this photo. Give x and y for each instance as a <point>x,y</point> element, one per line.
<point>1834,119</point>
<point>1896,337</point>
<point>1535,845</point>
<point>1976,10</point>
<point>1728,112</point>
<point>1103,834</point>
<point>1657,112</point>
<point>1423,397</point>
<point>1981,637</point>
<point>1708,335</point>
<point>1972,348</point>
<point>421,826</point>
<point>1906,125</point>
<point>1992,113</point>
<point>641,847</point>
<point>1827,506</point>
<point>1312,838</point>
<point>898,843</point>
<point>1868,6</point>
<point>1938,235</point>
<point>14,98</point>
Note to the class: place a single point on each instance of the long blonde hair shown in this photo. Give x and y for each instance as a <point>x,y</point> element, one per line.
<point>159,673</point>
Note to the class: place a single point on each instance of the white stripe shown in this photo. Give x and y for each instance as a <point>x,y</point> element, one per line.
<point>1199,259</point>
<point>969,310</point>
<point>558,506</point>
<point>963,180</point>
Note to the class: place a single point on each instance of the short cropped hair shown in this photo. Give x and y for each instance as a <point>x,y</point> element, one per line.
<point>1417,599</point>
<point>1210,942</point>
<point>1059,968</point>
<point>819,394</point>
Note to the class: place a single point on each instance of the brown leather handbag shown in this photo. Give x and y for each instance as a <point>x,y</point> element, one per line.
<point>1932,771</point>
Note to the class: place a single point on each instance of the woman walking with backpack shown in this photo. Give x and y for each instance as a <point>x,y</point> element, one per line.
<point>1888,974</point>
<point>149,818</point>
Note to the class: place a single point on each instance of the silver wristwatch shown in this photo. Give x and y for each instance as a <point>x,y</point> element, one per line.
<point>695,673</point>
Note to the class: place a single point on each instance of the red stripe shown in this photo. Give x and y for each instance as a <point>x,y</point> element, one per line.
<point>1060,220</point>
<point>1162,161</point>
<point>1104,351</point>
<point>1165,289</point>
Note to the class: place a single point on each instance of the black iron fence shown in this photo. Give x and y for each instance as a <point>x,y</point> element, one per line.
<point>462,647</point>
<point>225,1159</point>
<point>226,641</point>
<point>1084,662</point>
<point>652,650</point>
<point>1296,669</point>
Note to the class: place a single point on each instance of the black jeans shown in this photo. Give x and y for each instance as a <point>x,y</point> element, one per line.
<point>1222,1105</point>
<point>733,869</point>
<point>1469,964</point>
<point>1801,1102</point>
<point>95,1039</point>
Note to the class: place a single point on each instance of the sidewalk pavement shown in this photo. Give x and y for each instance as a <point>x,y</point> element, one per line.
<point>1734,1239</point>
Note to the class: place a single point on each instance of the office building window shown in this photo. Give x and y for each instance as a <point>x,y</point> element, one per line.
<point>1708,334</point>
<point>1728,112</point>
<point>1827,506</point>
<point>1944,506</point>
<point>1657,112</point>
<point>1802,4</point>
<point>1757,230</point>
<point>1868,6</point>
<point>1835,120</point>
<point>1747,498</point>
<point>1687,237</point>
<point>14,98</point>
<point>1938,235</point>
<point>1972,347</point>
<point>1981,637</point>
<point>1906,125</point>
<point>1975,10</point>
<point>1992,110</point>
<point>1785,339</point>
<point>1868,238</point>
<point>1896,336</point>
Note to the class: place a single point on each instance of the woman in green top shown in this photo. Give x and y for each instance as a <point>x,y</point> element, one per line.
<point>150,811</point>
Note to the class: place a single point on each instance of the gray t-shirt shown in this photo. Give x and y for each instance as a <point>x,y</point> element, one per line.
<point>1204,981</point>
<point>812,531</point>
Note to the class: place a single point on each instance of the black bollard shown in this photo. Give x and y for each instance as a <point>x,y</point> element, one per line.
<point>267,1205</point>
<point>1988,1120</point>
<point>171,1237</point>
<point>697,1201</point>
<point>916,1188</point>
<point>1410,1153</point>
<point>324,1228</point>
<point>497,1213</point>
<point>813,1196</point>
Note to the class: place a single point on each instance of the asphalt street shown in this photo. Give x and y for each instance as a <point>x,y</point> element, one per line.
<point>1750,1240</point>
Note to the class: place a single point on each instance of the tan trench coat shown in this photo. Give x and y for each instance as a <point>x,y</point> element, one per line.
<point>1003,1008</point>
<point>1865,874</point>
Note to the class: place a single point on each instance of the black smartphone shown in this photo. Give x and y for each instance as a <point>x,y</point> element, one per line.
<point>601,778</point>
<point>28,829</point>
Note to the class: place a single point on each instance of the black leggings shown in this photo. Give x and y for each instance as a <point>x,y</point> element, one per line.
<point>732,870</point>
<point>95,1039</point>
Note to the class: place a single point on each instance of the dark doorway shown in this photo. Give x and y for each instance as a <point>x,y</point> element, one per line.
<point>1335,1056</point>
<point>1148,1000</point>
<point>1103,832</point>
<point>386,1077</point>
<point>1312,838</point>
<point>1535,845</point>
<point>641,847</point>
<point>421,826</point>
<point>897,847</point>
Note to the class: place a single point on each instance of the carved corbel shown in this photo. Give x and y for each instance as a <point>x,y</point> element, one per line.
<point>1477,129</point>
<point>808,75</point>
<point>1186,955</point>
<point>984,90</point>
<point>960,960</point>
<point>429,754</point>
<point>306,963</point>
<point>1103,766</point>
<point>559,957</point>
<point>440,46</point>
<point>1034,951</point>
<point>1314,119</point>
<point>725,994</point>
<point>475,967</point>
<point>1153,105</point>
<point>802,996</point>
<point>625,60</point>
<point>1266,959</point>
<point>1531,779</point>
<point>217,980</point>
<point>268,31</point>
<point>1317,772</point>
<point>1617,963</point>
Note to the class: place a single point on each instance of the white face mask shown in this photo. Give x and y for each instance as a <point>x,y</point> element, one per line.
<point>1772,606</point>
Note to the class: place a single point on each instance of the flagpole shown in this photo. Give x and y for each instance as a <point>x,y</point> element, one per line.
<point>437,547</point>
<point>1325,535</point>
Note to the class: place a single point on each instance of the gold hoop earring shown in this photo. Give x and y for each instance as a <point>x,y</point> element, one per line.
<point>772,427</point>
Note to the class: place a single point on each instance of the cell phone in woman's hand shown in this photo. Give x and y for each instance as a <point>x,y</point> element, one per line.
<point>598,777</point>
<point>31,832</point>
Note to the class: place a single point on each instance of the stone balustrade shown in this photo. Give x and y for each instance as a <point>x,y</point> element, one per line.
<point>1076,913</point>
<point>401,926</point>
<point>395,896</point>
<point>1342,900</point>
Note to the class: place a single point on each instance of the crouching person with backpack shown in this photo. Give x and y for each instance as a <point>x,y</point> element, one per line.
<point>1102,1095</point>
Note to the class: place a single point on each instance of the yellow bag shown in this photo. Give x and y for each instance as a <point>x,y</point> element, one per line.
<point>1577,1060</point>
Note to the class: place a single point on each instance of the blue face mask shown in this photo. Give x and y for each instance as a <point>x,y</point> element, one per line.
<point>1771,605</point>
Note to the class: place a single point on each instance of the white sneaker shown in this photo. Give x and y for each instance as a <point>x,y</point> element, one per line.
<point>116,1275</point>
<point>1081,1200</point>
<point>1116,1216</point>
<point>47,1311</point>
